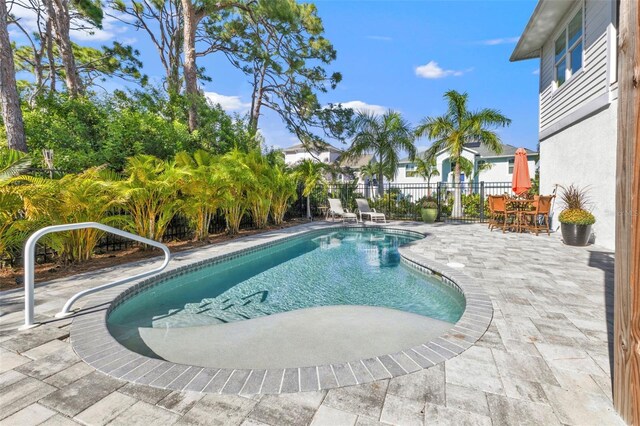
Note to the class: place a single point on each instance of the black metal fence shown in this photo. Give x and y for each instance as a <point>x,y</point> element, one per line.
<point>405,201</point>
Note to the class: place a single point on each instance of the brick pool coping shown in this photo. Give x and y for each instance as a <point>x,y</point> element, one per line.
<point>94,344</point>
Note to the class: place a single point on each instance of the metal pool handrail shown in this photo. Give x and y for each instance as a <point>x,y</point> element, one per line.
<point>29,265</point>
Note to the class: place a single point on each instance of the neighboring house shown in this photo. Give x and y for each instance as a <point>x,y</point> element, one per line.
<point>501,169</point>
<point>352,168</point>
<point>296,153</point>
<point>576,43</point>
<point>329,155</point>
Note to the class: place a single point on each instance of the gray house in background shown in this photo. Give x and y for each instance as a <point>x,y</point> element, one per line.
<point>575,41</point>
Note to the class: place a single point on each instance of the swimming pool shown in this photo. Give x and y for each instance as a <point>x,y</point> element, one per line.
<point>345,267</point>
<point>143,339</point>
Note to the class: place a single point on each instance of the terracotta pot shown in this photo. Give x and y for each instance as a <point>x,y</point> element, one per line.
<point>575,235</point>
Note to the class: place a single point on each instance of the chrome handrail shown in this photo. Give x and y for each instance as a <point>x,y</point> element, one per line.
<point>29,265</point>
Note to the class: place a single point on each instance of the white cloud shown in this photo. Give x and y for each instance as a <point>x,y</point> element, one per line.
<point>379,38</point>
<point>536,72</point>
<point>432,71</point>
<point>111,28</point>
<point>365,107</point>
<point>228,103</point>
<point>497,41</point>
<point>26,17</point>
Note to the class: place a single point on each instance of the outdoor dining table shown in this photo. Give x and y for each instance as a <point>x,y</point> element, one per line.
<point>520,205</point>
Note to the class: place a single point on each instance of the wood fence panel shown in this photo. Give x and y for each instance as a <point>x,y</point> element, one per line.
<point>626,374</point>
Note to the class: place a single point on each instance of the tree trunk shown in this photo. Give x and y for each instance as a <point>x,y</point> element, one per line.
<point>11,112</point>
<point>190,23</point>
<point>61,25</point>
<point>381,179</point>
<point>49,44</point>
<point>255,112</point>
<point>309,207</point>
<point>256,101</point>
<point>626,352</point>
<point>457,196</point>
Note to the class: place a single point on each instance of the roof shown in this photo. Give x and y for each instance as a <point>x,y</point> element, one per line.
<point>507,151</point>
<point>356,163</point>
<point>543,22</point>
<point>302,148</point>
<point>483,151</point>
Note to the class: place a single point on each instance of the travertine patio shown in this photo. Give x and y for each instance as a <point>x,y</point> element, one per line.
<point>544,360</point>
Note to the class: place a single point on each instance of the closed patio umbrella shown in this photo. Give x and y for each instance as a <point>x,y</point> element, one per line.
<point>521,181</point>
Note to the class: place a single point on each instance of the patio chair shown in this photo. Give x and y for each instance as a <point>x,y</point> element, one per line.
<point>500,213</point>
<point>537,220</point>
<point>335,208</point>
<point>364,210</point>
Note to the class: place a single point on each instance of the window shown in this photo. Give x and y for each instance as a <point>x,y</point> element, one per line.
<point>410,170</point>
<point>568,50</point>
<point>511,166</point>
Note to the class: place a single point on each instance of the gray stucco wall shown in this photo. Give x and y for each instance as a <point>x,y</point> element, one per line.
<point>585,154</point>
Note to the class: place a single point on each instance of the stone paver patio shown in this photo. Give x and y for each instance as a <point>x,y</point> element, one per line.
<point>545,358</point>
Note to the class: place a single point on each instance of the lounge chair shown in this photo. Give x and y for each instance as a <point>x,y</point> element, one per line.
<point>335,209</point>
<point>365,210</point>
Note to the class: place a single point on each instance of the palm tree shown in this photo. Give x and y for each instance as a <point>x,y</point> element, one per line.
<point>12,164</point>
<point>426,168</point>
<point>260,194</point>
<point>384,136</point>
<point>203,189</point>
<point>150,194</point>
<point>466,166</point>
<point>284,189</point>
<point>368,172</point>
<point>458,127</point>
<point>239,181</point>
<point>311,174</point>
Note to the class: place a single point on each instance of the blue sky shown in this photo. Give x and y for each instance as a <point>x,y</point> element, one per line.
<point>401,55</point>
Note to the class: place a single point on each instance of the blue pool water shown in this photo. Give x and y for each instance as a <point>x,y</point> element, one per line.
<point>346,267</point>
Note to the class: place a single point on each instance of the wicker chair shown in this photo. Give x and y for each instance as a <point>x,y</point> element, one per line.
<point>537,220</point>
<point>500,213</point>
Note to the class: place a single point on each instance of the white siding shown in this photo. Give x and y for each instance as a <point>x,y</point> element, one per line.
<point>325,157</point>
<point>589,83</point>
<point>499,172</point>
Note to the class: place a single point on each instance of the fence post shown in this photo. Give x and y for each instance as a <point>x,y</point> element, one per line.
<point>439,200</point>
<point>389,193</point>
<point>481,201</point>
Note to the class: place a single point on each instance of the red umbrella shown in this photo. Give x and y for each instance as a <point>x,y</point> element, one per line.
<point>521,181</point>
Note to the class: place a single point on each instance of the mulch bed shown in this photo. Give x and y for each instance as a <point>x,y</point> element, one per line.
<point>12,277</point>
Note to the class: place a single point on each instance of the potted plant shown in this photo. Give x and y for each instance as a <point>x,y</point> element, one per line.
<point>429,210</point>
<point>575,219</point>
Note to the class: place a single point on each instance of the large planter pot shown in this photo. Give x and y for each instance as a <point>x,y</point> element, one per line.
<point>575,235</point>
<point>429,215</point>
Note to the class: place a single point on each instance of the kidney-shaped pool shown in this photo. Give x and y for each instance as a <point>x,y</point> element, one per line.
<point>321,297</point>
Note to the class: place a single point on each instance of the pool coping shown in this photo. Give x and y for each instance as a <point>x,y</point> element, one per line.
<point>93,343</point>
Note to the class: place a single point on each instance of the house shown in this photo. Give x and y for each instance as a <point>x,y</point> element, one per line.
<point>575,41</point>
<point>296,153</point>
<point>500,166</point>
<point>349,169</point>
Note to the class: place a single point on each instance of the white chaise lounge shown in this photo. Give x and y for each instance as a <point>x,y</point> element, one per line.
<point>335,209</point>
<point>365,210</point>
